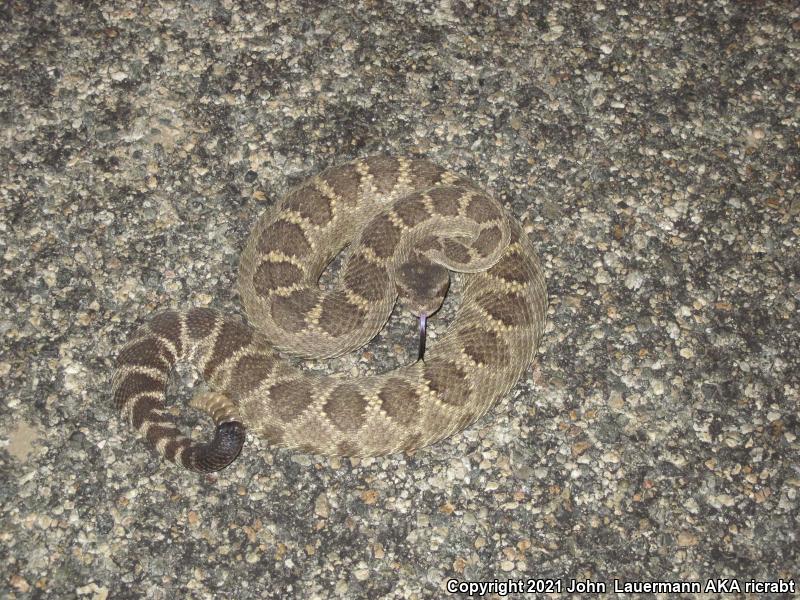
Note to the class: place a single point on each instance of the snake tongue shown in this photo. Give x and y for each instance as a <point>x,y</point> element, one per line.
<point>423,322</point>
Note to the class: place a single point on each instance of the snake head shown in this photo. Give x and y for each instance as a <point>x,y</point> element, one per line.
<point>422,285</point>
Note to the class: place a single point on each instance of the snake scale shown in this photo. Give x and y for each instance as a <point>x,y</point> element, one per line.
<point>407,222</point>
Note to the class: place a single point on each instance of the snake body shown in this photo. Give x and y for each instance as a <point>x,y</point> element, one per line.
<point>392,211</point>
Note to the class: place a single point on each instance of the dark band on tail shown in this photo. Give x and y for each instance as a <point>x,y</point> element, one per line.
<point>142,370</point>
<point>220,452</point>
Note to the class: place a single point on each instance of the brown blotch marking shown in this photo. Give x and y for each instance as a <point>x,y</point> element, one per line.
<point>429,243</point>
<point>347,449</point>
<point>366,279</point>
<point>510,268</point>
<point>168,325</point>
<point>400,401</point>
<point>142,408</point>
<point>484,346</point>
<point>233,336</point>
<point>283,236</point>
<point>273,435</point>
<point>200,322</point>
<point>339,316</point>
<point>136,383</point>
<point>445,200</point>
<point>147,352</point>
<point>481,208</point>
<point>487,240</point>
<point>447,380</point>
<point>309,448</point>
<point>384,171</point>
<point>344,181</point>
<point>290,398</point>
<point>412,210</point>
<point>250,371</point>
<point>310,203</point>
<point>456,251</point>
<point>172,447</point>
<point>425,172</point>
<point>510,309</point>
<point>412,442</point>
<point>272,275</point>
<point>345,407</point>
<point>381,236</point>
<point>290,312</point>
<point>156,433</point>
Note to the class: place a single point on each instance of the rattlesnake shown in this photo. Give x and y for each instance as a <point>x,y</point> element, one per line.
<point>404,219</point>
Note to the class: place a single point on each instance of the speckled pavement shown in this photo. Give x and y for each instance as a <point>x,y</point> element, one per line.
<point>652,154</point>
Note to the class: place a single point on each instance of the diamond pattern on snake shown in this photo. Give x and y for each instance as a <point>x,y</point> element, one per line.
<point>409,223</point>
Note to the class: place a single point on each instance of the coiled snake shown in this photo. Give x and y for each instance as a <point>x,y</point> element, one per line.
<point>407,221</point>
